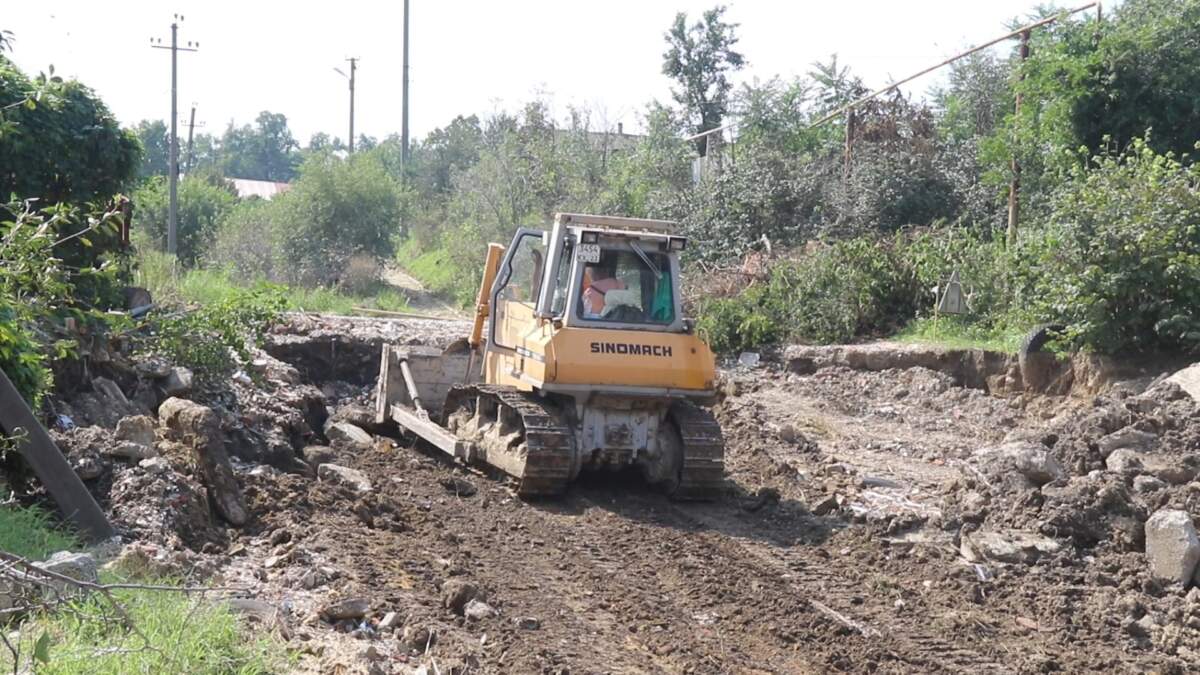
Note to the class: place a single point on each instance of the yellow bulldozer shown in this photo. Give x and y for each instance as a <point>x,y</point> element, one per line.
<point>579,358</point>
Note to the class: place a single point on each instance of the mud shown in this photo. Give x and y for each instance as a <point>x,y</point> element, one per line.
<point>838,547</point>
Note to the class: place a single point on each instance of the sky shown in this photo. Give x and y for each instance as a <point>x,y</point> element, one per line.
<point>466,56</point>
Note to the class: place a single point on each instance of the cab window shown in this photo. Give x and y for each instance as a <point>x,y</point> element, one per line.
<point>525,274</point>
<point>628,286</point>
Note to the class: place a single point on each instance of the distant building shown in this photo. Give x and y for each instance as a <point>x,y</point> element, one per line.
<point>264,189</point>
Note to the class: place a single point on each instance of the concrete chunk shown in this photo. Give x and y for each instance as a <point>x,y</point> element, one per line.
<point>178,382</point>
<point>1127,438</point>
<point>343,475</point>
<point>137,429</point>
<point>1009,546</point>
<point>348,434</point>
<point>1172,546</point>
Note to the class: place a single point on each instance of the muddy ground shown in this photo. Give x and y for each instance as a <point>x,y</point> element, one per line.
<point>857,533</point>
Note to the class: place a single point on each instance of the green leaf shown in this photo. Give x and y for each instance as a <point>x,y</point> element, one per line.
<point>41,649</point>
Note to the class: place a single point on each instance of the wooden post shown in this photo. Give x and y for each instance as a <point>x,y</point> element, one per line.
<point>848,153</point>
<point>52,469</point>
<point>1014,188</point>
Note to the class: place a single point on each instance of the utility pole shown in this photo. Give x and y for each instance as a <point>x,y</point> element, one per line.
<point>353,66</point>
<point>191,129</point>
<point>173,171</point>
<point>1014,187</point>
<point>404,93</point>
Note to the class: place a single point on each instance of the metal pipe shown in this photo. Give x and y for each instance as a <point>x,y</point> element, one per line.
<point>1016,33</point>
<point>412,389</point>
<point>868,97</point>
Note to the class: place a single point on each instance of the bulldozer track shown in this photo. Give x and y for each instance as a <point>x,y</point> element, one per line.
<point>702,476</point>
<point>825,586</point>
<point>549,442</point>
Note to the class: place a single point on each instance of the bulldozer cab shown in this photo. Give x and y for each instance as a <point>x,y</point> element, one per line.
<point>593,272</point>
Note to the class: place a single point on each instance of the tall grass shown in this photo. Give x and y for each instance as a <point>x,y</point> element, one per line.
<point>29,533</point>
<point>156,272</point>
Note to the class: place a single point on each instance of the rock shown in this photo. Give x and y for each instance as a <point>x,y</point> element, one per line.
<point>788,433</point>
<point>88,467</point>
<point>1188,380</point>
<point>827,505</point>
<point>1147,484</point>
<point>477,610</point>
<point>342,475</point>
<point>417,637</point>
<point>351,608</point>
<point>153,367</point>
<point>134,452</point>
<point>110,390</point>
<point>145,560</point>
<point>1176,471</point>
<point>1017,465</point>
<point>359,415</point>
<point>316,455</point>
<point>1038,465</point>
<point>1124,461</point>
<point>458,486</point>
<point>748,359</point>
<point>156,465</point>
<point>1127,438</point>
<point>137,429</point>
<point>1172,546</point>
<point>178,382</point>
<point>78,566</point>
<point>347,434</point>
<point>200,428</point>
<point>456,593</point>
<point>1008,546</point>
<point>389,621</point>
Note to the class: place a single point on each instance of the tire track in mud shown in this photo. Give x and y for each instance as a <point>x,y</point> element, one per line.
<point>805,576</point>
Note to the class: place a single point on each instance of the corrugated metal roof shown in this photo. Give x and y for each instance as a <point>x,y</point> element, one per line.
<point>258,188</point>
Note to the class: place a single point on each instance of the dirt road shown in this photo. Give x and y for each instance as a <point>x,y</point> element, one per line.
<point>873,522</point>
<point>615,578</point>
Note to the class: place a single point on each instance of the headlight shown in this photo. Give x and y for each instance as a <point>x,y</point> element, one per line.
<point>589,237</point>
<point>676,243</point>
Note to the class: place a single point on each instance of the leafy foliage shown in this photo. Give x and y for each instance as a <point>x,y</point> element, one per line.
<point>699,58</point>
<point>1119,258</point>
<point>156,147</point>
<point>203,204</point>
<point>265,151</point>
<point>63,144</point>
<point>208,339</point>
<point>37,288</point>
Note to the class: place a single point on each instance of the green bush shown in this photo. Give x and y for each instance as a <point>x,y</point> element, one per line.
<point>1118,260</point>
<point>852,288</point>
<point>206,339</point>
<point>338,209</point>
<point>203,204</point>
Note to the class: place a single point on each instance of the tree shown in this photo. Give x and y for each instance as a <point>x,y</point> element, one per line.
<point>156,148</point>
<point>699,58</point>
<point>265,151</point>
<point>1147,78</point>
